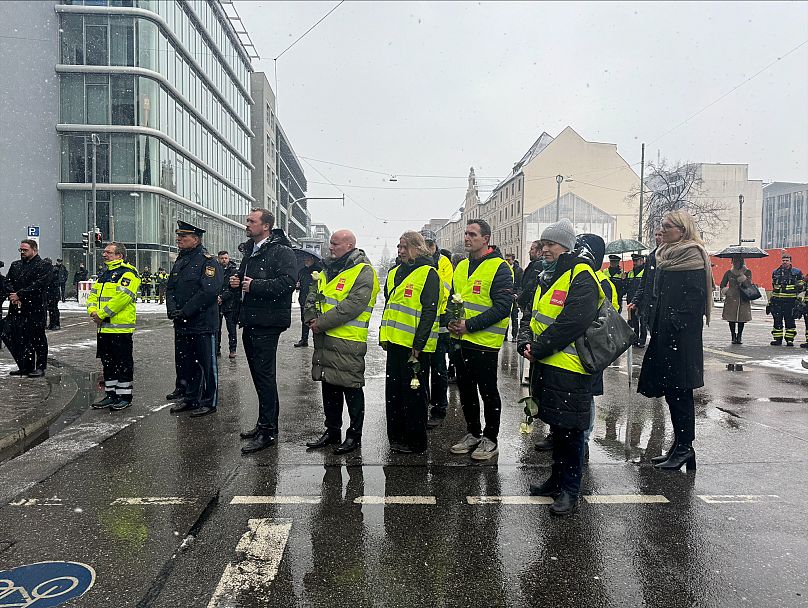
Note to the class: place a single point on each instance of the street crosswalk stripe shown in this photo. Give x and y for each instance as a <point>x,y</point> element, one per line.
<point>395,500</point>
<point>725,353</point>
<point>275,500</point>
<point>627,499</point>
<point>509,500</point>
<point>717,499</point>
<point>260,551</point>
<point>153,500</point>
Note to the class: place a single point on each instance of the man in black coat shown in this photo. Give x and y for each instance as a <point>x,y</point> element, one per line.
<point>530,277</point>
<point>80,275</point>
<point>517,288</point>
<point>311,263</point>
<point>266,278</point>
<point>228,305</point>
<point>52,298</point>
<point>26,285</point>
<point>193,287</point>
<point>62,274</point>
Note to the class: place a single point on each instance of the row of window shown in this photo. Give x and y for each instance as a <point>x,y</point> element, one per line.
<point>127,41</point>
<point>124,158</point>
<point>123,99</point>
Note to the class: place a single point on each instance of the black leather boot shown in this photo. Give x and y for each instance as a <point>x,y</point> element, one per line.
<point>683,454</point>
<point>263,439</point>
<point>565,504</point>
<point>666,455</point>
<point>251,433</point>
<point>547,488</point>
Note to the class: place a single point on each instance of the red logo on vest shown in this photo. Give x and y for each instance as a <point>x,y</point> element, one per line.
<point>477,287</point>
<point>559,297</point>
<point>408,290</point>
<point>340,285</point>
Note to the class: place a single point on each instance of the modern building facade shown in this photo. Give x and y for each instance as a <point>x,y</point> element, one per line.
<point>785,215</point>
<point>265,185</point>
<point>292,204</point>
<point>158,92</point>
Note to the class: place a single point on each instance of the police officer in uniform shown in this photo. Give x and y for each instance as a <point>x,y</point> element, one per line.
<point>632,282</point>
<point>111,305</point>
<point>193,287</point>
<point>146,284</point>
<point>161,278</point>
<point>787,282</point>
<point>616,275</point>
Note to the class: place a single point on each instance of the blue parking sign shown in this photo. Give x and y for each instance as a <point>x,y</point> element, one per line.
<point>33,231</point>
<point>44,584</point>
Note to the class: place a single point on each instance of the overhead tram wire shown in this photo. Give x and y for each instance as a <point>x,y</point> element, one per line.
<point>389,173</point>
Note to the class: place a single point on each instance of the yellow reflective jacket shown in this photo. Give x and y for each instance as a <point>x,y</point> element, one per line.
<point>113,297</point>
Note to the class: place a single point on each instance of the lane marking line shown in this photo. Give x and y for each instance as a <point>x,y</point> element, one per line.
<point>725,353</point>
<point>718,499</point>
<point>509,500</point>
<point>276,500</point>
<point>395,500</point>
<point>153,500</point>
<point>625,499</point>
<point>157,408</point>
<point>37,502</point>
<point>260,551</point>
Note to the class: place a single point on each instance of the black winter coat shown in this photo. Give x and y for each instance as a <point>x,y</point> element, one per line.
<point>304,280</point>
<point>643,296</point>
<point>268,304</point>
<point>30,280</point>
<point>193,286</point>
<point>229,295</point>
<point>674,359</point>
<point>564,397</point>
<point>530,280</point>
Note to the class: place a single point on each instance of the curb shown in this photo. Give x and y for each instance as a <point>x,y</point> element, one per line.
<point>59,398</point>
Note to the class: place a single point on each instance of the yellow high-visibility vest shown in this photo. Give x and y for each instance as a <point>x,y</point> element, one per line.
<point>445,272</point>
<point>476,293</point>
<point>113,297</point>
<point>402,311</point>
<point>336,290</point>
<point>546,308</point>
<point>602,276</point>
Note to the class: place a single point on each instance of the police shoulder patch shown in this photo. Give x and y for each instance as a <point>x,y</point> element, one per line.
<point>125,281</point>
<point>207,255</point>
<point>210,271</point>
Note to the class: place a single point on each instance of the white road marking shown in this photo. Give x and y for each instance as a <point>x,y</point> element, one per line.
<point>509,500</point>
<point>395,500</point>
<point>625,499</point>
<point>259,551</point>
<point>725,353</point>
<point>276,500</point>
<point>157,408</point>
<point>717,499</point>
<point>153,500</point>
<point>37,502</point>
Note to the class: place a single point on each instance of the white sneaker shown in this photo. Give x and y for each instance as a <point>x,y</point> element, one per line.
<point>465,445</point>
<point>485,450</point>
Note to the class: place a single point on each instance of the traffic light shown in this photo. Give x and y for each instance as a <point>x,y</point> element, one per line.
<point>97,237</point>
<point>85,241</point>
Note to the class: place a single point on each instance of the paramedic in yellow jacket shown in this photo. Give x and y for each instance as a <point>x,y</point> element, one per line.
<point>409,334</point>
<point>111,305</point>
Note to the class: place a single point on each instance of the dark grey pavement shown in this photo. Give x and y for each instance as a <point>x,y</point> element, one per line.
<point>168,512</point>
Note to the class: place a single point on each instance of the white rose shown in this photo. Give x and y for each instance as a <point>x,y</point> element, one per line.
<point>415,384</point>
<point>315,275</point>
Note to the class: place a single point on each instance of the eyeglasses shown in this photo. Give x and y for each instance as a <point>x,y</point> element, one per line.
<point>669,226</point>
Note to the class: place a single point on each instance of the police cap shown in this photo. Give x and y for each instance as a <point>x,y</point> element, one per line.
<point>186,228</point>
<point>614,258</point>
<point>637,256</point>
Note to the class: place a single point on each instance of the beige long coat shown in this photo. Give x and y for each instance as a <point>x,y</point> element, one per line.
<point>735,307</point>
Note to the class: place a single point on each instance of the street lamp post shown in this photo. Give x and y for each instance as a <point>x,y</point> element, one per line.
<point>740,219</point>
<point>559,179</point>
<point>95,141</point>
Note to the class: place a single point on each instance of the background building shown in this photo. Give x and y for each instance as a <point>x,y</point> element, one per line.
<point>785,215</point>
<point>265,146</point>
<point>291,189</point>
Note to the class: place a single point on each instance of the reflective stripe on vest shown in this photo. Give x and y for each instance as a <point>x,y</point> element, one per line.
<point>402,312</point>
<point>546,308</point>
<point>476,293</point>
<point>336,290</point>
<point>445,272</point>
<point>602,276</point>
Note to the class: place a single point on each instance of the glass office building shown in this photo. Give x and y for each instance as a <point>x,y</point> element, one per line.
<point>165,87</point>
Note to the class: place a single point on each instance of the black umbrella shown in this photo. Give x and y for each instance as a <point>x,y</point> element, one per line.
<point>740,250</point>
<point>300,255</point>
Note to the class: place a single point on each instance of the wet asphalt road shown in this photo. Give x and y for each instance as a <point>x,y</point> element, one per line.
<point>731,534</point>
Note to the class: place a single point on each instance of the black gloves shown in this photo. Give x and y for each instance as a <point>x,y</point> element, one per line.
<point>175,314</point>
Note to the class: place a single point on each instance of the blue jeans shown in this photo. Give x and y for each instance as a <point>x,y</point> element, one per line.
<point>588,431</point>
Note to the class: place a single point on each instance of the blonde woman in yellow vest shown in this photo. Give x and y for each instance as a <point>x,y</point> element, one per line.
<point>338,313</point>
<point>409,332</point>
<point>564,306</point>
<point>485,283</point>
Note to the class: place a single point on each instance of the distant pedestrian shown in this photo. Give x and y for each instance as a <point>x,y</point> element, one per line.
<point>79,276</point>
<point>52,298</point>
<point>266,278</point>
<point>736,310</point>
<point>674,363</point>
<point>26,286</point>
<point>339,316</point>
<point>193,287</point>
<point>111,305</point>
<point>517,287</point>
<point>631,283</point>
<point>409,335</point>
<point>311,264</point>
<point>641,302</point>
<point>62,275</point>
<point>146,284</point>
<point>228,306</point>
<point>485,283</point>
<point>787,282</point>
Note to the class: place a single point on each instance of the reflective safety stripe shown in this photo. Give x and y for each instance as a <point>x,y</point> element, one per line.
<point>109,311</point>
<point>445,330</point>
<point>128,292</point>
<point>119,325</point>
<point>495,329</point>
<point>475,307</point>
<point>334,302</point>
<point>446,286</point>
<point>104,298</point>
<point>405,309</point>
<point>543,318</point>
<point>360,324</point>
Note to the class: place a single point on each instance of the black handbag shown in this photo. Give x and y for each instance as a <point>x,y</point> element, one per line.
<point>749,291</point>
<point>607,338</point>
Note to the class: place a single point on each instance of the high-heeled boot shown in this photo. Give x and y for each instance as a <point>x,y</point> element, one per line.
<point>666,455</point>
<point>683,454</point>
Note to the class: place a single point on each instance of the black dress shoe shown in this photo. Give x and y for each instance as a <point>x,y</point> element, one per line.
<point>399,448</point>
<point>175,395</point>
<point>250,434</point>
<point>203,411</point>
<point>19,372</point>
<point>565,504</point>
<point>327,438</point>
<point>683,454</point>
<point>37,373</point>
<point>546,444</point>
<point>104,403</point>
<point>183,406</point>
<point>262,440</point>
<point>665,456</point>
<point>349,445</point>
<point>301,343</point>
<point>548,488</point>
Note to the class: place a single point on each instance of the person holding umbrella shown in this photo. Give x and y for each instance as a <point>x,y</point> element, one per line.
<point>311,263</point>
<point>737,310</point>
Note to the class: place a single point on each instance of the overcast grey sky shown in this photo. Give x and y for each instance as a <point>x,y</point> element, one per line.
<point>429,88</point>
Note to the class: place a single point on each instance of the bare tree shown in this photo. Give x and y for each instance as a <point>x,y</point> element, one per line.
<point>680,186</point>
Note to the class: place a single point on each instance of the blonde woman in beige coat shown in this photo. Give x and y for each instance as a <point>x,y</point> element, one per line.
<point>736,310</point>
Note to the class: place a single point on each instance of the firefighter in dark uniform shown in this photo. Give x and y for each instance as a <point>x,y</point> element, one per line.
<point>147,284</point>
<point>787,282</point>
<point>161,278</point>
<point>631,283</point>
<point>616,275</point>
<point>191,302</point>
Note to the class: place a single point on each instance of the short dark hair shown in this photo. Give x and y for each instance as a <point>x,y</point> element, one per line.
<point>223,252</point>
<point>266,216</point>
<point>120,249</point>
<point>31,243</point>
<point>510,255</point>
<point>485,227</point>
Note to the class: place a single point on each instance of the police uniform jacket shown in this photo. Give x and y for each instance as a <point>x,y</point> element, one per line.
<point>229,295</point>
<point>193,286</point>
<point>30,280</point>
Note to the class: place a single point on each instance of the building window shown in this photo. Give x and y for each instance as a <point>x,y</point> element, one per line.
<point>72,39</point>
<point>72,98</point>
<point>122,88</point>
<point>96,39</point>
<point>97,99</point>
